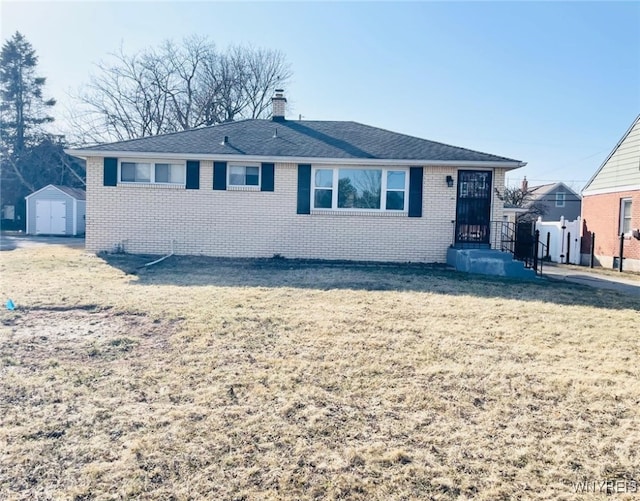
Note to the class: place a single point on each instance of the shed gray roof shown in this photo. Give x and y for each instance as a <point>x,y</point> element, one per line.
<point>299,139</point>
<point>77,193</point>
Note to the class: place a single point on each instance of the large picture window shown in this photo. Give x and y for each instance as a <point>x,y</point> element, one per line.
<point>152,172</point>
<point>360,189</point>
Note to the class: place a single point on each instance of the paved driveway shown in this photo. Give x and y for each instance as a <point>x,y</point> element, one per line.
<point>592,278</point>
<point>17,241</point>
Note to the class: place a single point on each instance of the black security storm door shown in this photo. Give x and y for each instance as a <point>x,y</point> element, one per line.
<point>473,207</point>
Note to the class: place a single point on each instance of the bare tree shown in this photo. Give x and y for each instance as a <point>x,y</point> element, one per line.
<point>180,71</point>
<point>223,97</point>
<point>176,87</point>
<point>522,198</point>
<point>125,100</point>
<point>265,71</point>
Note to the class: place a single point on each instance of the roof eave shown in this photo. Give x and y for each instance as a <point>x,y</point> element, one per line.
<point>516,209</point>
<point>615,189</point>
<point>50,185</point>
<point>506,164</point>
<point>615,148</point>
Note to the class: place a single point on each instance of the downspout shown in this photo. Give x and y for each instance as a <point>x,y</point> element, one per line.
<point>162,258</point>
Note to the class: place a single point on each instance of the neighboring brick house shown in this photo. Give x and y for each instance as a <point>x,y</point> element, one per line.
<point>298,189</point>
<point>611,204</point>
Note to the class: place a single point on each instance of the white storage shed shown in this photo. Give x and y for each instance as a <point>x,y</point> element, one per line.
<point>56,210</point>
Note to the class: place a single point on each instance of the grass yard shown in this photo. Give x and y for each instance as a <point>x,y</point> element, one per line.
<point>265,380</point>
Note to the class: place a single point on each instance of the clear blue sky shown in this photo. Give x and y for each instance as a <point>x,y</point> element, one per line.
<point>554,84</point>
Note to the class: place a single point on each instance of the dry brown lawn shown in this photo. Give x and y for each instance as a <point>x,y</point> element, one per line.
<point>265,380</point>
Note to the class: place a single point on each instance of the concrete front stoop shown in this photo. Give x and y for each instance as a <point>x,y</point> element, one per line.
<point>488,262</point>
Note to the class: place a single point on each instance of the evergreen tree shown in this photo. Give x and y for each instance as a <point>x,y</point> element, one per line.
<point>23,110</point>
<point>30,157</point>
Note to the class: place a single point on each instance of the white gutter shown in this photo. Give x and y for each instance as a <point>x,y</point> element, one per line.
<point>297,160</point>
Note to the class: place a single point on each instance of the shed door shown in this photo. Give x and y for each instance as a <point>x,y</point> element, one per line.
<point>51,217</point>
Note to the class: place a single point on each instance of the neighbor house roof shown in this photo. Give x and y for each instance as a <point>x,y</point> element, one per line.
<point>613,151</point>
<point>297,140</point>
<point>539,192</point>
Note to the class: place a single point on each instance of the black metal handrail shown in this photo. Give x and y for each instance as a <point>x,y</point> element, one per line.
<point>539,249</point>
<point>518,239</point>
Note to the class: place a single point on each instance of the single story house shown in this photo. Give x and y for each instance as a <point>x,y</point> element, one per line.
<point>56,210</point>
<point>611,205</point>
<point>294,188</point>
<point>550,202</point>
<point>555,200</point>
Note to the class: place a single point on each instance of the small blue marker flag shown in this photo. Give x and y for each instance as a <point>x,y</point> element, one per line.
<point>10,305</point>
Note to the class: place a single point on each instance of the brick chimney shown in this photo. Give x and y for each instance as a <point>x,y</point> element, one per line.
<point>278,103</point>
<point>525,185</point>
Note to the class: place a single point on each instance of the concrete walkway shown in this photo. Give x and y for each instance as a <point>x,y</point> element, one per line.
<point>591,277</point>
<point>11,241</point>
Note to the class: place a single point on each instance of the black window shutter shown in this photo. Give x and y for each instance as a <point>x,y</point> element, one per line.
<point>110,175</point>
<point>219,175</point>
<point>304,189</point>
<point>415,191</point>
<point>266,183</point>
<point>193,175</point>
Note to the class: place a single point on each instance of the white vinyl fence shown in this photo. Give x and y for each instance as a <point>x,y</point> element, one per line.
<point>564,240</point>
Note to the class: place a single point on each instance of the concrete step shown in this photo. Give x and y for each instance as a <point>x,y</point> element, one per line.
<point>488,262</point>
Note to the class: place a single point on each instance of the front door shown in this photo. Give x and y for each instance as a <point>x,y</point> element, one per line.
<point>473,207</point>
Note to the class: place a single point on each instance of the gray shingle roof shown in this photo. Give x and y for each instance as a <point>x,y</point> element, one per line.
<point>77,193</point>
<point>542,190</point>
<point>308,139</point>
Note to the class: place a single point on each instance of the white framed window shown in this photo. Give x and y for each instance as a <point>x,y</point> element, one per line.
<point>560,198</point>
<point>625,216</point>
<point>135,172</point>
<point>160,172</point>
<point>360,188</point>
<point>243,175</point>
<point>169,173</point>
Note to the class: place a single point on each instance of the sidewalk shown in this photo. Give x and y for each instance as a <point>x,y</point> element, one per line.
<point>591,278</point>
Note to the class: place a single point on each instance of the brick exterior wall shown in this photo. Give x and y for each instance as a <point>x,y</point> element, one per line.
<point>149,219</point>
<point>601,215</point>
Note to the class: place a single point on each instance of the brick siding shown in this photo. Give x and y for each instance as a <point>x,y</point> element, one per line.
<point>601,215</point>
<point>148,219</point>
